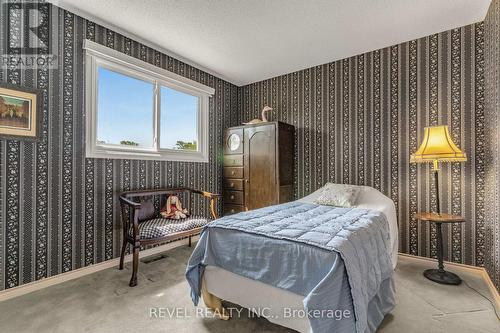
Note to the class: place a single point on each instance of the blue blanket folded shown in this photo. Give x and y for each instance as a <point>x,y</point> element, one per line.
<point>335,257</point>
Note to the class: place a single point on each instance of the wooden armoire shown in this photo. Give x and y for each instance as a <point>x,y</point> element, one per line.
<point>258,166</point>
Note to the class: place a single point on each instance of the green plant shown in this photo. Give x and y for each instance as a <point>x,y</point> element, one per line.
<point>128,143</point>
<point>182,145</point>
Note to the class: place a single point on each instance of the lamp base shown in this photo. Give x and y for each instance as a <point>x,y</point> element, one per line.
<point>442,276</point>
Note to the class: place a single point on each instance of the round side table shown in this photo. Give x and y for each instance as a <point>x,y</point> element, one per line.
<point>439,275</point>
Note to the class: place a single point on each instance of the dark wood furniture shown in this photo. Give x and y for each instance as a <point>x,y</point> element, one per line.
<point>258,166</point>
<point>134,211</point>
<point>439,275</point>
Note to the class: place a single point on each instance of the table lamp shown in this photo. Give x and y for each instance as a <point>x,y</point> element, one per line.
<point>437,146</point>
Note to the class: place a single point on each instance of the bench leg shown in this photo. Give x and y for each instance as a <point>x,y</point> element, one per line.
<point>189,241</point>
<point>135,266</point>
<point>122,255</point>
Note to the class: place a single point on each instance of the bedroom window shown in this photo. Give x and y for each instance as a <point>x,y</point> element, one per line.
<point>135,110</point>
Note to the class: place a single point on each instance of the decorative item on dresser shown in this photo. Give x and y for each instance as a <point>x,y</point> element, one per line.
<point>258,166</point>
<point>264,116</point>
<point>437,146</point>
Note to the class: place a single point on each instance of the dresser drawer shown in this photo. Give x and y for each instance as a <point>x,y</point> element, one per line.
<point>233,160</point>
<point>233,197</point>
<point>233,209</point>
<point>233,184</point>
<point>233,172</point>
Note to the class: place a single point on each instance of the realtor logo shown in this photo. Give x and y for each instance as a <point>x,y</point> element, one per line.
<point>26,23</point>
<point>27,35</point>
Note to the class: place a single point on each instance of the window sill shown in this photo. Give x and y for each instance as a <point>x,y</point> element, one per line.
<point>175,156</point>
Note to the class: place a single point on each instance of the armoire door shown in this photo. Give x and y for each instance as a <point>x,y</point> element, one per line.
<point>260,166</point>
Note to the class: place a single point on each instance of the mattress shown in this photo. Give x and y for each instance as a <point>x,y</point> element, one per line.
<point>253,294</point>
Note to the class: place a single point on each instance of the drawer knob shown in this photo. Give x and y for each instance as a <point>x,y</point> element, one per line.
<point>231,185</point>
<point>232,197</point>
<point>232,172</point>
<point>232,210</point>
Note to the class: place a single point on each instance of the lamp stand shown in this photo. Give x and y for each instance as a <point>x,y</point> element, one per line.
<point>440,275</point>
<point>435,170</point>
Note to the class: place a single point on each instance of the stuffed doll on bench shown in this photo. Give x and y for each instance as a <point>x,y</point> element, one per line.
<point>173,209</point>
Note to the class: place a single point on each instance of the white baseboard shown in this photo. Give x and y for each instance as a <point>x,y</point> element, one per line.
<point>474,269</point>
<point>74,274</point>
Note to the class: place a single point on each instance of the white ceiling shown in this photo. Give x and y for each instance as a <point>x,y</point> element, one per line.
<point>245,41</point>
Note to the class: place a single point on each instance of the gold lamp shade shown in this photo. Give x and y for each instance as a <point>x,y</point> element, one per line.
<point>438,146</point>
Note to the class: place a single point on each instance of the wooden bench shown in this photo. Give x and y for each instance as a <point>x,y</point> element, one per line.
<point>142,224</point>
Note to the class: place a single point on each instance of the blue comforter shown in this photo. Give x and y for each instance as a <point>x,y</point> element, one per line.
<point>335,257</point>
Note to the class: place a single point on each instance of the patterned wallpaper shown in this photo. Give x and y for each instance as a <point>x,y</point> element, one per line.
<point>359,119</point>
<point>492,131</point>
<point>59,210</point>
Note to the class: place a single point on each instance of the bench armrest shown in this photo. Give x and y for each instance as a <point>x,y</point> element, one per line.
<point>132,219</point>
<point>212,197</point>
<point>135,205</point>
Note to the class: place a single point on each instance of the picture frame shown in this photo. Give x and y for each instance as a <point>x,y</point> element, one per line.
<point>20,112</point>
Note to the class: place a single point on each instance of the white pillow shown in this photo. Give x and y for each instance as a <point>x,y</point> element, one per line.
<point>339,195</point>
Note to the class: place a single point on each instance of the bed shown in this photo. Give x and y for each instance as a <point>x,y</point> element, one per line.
<point>277,275</point>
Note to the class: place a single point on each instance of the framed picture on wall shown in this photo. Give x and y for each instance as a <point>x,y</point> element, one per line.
<point>19,112</point>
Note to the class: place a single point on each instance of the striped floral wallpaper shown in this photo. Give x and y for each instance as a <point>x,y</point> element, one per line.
<point>58,210</point>
<point>492,142</point>
<point>359,119</point>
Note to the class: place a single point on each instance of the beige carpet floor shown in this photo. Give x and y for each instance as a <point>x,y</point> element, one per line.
<point>103,302</point>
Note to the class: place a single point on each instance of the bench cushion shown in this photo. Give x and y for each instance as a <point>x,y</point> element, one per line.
<point>160,227</point>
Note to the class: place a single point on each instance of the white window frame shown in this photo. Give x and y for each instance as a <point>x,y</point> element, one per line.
<point>97,56</point>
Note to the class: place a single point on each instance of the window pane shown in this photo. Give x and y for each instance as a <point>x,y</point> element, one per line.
<point>125,110</point>
<point>179,113</point>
